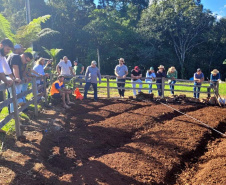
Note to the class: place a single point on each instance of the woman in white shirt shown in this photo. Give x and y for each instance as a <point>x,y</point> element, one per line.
<point>150,75</point>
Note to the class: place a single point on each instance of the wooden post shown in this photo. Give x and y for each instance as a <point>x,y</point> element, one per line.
<point>46,94</point>
<point>98,57</point>
<point>51,79</point>
<point>34,88</point>
<point>16,112</point>
<point>108,87</point>
<point>163,86</point>
<point>217,89</point>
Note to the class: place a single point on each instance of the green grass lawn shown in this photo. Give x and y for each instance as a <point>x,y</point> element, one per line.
<point>114,92</point>
<point>9,128</point>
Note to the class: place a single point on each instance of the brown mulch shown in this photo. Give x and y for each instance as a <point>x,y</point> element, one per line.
<point>116,142</point>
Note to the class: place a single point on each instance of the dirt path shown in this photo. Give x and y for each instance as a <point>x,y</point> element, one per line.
<point>110,142</point>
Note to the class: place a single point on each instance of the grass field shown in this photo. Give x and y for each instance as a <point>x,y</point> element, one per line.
<point>114,92</point>
<point>9,128</point>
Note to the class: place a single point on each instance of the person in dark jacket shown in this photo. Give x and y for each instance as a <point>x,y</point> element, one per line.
<point>160,74</point>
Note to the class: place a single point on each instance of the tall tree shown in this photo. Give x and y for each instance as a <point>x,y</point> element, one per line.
<point>183,22</point>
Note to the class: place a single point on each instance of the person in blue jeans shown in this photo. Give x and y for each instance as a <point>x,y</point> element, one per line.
<point>160,74</point>
<point>121,71</point>
<point>150,76</point>
<point>91,75</point>
<point>198,78</point>
<point>172,75</point>
<point>214,79</point>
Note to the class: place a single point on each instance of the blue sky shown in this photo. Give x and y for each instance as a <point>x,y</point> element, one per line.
<point>216,6</point>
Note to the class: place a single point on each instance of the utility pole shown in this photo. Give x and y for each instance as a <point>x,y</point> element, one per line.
<point>28,11</point>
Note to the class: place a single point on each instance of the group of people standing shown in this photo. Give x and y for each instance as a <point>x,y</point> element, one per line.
<point>121,71</point>
<point>15,68</point>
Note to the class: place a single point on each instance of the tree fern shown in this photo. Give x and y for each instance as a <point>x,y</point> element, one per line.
<point>5,29</point>
<point>29,33</point>
<point>53,54</point>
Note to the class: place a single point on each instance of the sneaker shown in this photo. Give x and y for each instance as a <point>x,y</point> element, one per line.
<point>70,103</point>
<point>67,107</point>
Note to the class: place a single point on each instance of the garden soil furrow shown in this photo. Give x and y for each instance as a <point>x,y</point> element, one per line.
<point>110,142</point>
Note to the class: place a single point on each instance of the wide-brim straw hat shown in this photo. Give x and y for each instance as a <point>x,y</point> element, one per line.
<point>215,71</point>
<point>161,67</point>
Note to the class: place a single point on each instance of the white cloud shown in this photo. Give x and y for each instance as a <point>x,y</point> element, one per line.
<point>224,6</point>
<point>219,17</point>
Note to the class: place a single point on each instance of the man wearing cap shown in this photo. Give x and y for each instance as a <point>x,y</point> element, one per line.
<point>150,76</point>
<point>58,91</point>
<point>214,79</point>
<point>160,74</point>
<point>92,72</point>
<point>18,49</point>
<point>78,69</point>
<point>198,78</point>
<point>64,67</point>
<point>136,79</point>
<point>121,71</point>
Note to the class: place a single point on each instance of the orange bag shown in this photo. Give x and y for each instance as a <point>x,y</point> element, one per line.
<point>78,94</point>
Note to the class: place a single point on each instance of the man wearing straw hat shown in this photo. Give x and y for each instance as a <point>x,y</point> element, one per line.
<point>198,78</point>
<point>160,74</point>
<point>121,71</point>
<point>172,75</point>
<point>214,79</point>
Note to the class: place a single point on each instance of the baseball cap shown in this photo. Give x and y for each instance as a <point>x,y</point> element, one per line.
<point>17,46</point>
<point>151,68</point>
<point>136,68</point>
<point>198,69</point>
<point>94,62</point>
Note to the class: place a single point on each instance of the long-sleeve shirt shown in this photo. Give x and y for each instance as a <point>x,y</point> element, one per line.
<point>172,75</point>
<point>215,78</point>
<point>149,75</point>
<point>160,75</point>
<point>91,74</point>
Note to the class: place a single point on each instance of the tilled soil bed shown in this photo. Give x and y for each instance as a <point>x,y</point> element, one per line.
<point>116,142</point>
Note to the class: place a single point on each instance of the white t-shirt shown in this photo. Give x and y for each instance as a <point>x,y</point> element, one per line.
<point>65,67</point>
<point>4,66</point>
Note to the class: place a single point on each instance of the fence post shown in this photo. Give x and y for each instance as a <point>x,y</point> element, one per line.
<point>34,88</point>
<point>217,89</point>
<point>51,78</point>
<point>108,87</point>
<point>16,112</point>
<point>163,86</point>
<point>46,100</point>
